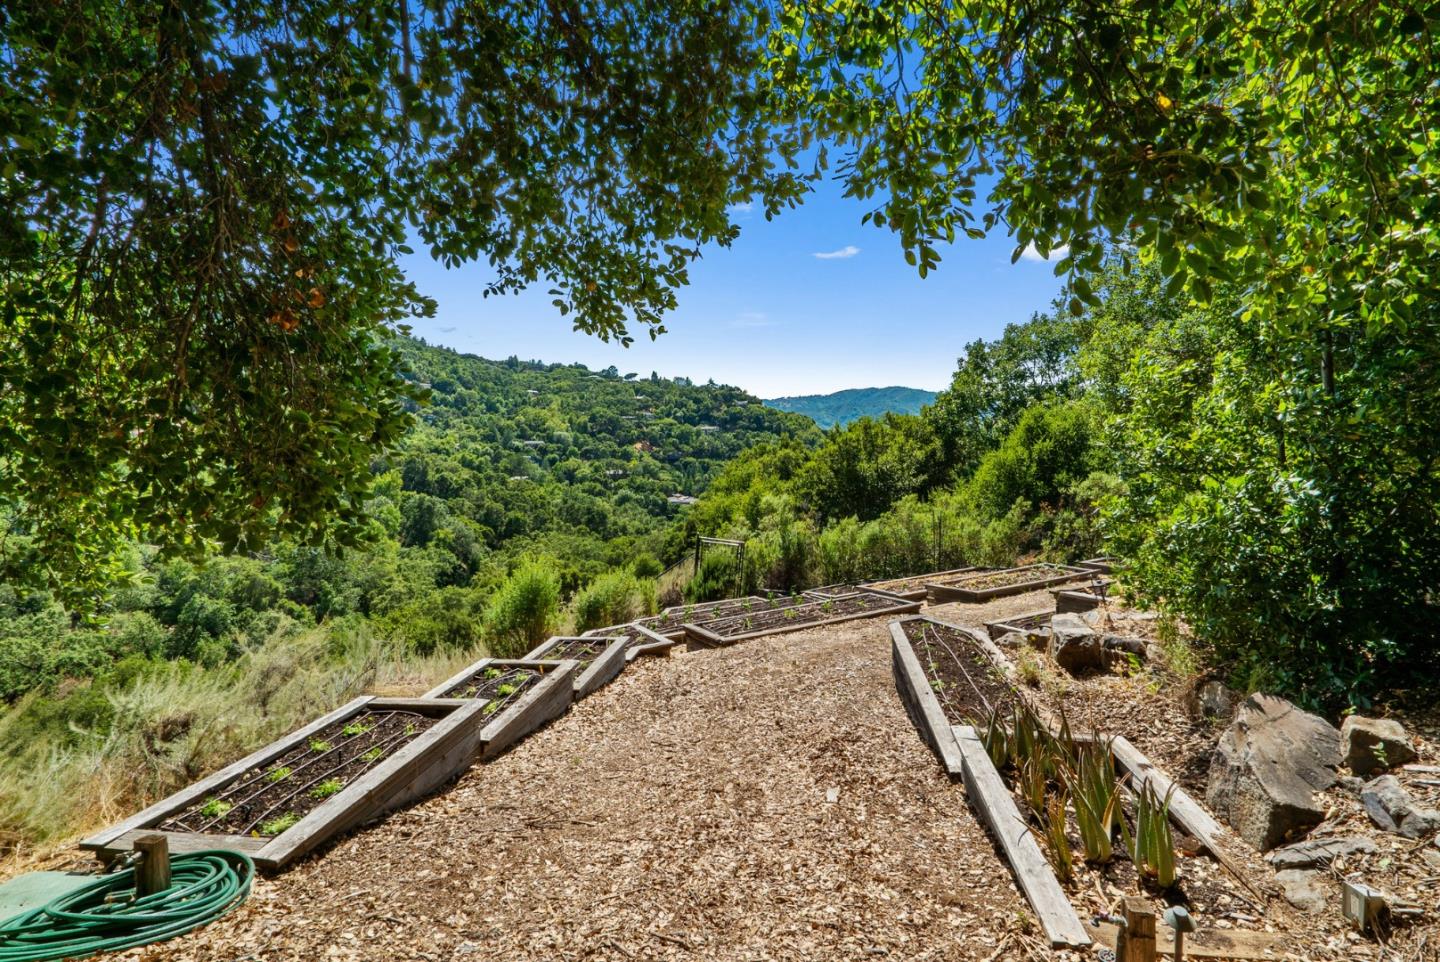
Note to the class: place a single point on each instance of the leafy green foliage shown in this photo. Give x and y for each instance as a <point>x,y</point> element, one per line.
<point>202,212</point>
<point>613,599</point>
<point>524,610</point>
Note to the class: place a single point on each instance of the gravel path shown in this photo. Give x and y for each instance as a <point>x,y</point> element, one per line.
<point>766,801</point>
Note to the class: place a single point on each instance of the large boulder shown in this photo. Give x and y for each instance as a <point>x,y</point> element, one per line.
<point>1074,644</point>
<point>1267,768</point>
<point>1372,745</point>
<point>1395,810</point>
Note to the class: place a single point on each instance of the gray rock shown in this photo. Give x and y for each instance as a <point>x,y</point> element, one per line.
<point>1351,784</point>
<point>1305,889</point>
<point>1266,770</point>
<point>1074,645</point>
<point>1319,852</point>
<point>1120,643</point>
<point>1022,639</point>
<point>1215,700</point>
<point>1372,745</point>
<point>1395,810</point>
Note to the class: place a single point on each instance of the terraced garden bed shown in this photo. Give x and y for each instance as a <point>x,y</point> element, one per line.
<point>597,660</point>
<point>1030,622</point>
<point>983,586</point>
<point>672,621</point>
<point>518,695</point>
<point>1104,565</point>
<point>807,614</point>
<point>913,587</point>
<point>354,764</point>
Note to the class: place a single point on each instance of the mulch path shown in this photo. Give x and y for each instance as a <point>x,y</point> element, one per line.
<point>765,801</point>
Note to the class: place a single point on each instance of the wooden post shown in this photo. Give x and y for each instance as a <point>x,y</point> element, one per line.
<point>1137,938</point>
<point>153,873</point>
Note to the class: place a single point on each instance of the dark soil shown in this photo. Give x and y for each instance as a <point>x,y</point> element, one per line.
<point>583,650</point>
<point>1014,576</point>
<point>700,612</point>
<point>266,801</point>
<point>918,582</point>
<point>968,685</point>
<point>500,685</point>
<point>799,616</point>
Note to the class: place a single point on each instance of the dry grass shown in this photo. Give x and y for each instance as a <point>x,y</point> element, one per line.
<point>172,726</point>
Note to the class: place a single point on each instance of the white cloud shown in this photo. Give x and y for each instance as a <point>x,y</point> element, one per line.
<point>1031,254</point>
<point>849,250</point>
<point>744,207</point>
<point>752,319</point>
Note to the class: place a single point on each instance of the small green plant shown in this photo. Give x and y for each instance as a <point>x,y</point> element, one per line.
<point>790,614</point>
<point>1151,845</point>
<point>216,808</point>
<point>505,691</point>
<point>1095,792</point>
<point>278,775</point>
<point>331,786</point>
<point>319,745</point>
<point>491,707</point>
<point>355,728</point>
<point>997,740</point>
<point>827,606</point>
<point>410,729</point>
<point>493,673</point>
<point>373,754</point>
<point>279,824</point>
<point>937,684</point>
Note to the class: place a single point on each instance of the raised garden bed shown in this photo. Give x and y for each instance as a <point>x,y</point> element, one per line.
<point>913,587</point>
<point>352,765</point>
<point>1082,597</point>
<point>1104,565</point>
<point>1029,622</point>
<point>518,695</point>
<point>598,660</point>
<point>672,621</point>
<point>830,591</point>
<point>984,586</point>
<point>860,604</point>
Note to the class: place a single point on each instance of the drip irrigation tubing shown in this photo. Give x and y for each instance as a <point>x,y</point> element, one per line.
<point>106,915</point>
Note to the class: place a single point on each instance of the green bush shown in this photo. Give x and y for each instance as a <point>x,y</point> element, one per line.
<point>613,599</point>
<point>646,566</point>
<point>718,577</point>
<point>524,610</point>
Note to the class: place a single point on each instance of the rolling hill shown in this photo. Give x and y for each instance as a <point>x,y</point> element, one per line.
<point>842,407</point>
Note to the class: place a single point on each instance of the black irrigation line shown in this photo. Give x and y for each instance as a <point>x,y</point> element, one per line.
<point>935,674</point>
<point>724,627</point>
<point>522,678</point>
<point>593,647</point>
<point>264,774</point>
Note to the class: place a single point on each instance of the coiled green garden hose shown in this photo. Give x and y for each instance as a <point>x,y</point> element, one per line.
<point>105,916</point>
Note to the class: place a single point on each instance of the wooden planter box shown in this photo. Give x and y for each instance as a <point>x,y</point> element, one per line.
<point>1103,565</point>
<point>599,672</point>
<point>1045,576</point>
<point>964,756</point>
<point>810,615</point>
<point>672,621</point>
<point>915,587</point>
<point>542,702</point>
<point>647,642</point>
<point>1080,597</point>
<point>418,768</point>
<point>1028,622</point>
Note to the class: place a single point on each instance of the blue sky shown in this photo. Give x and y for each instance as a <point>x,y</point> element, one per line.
<point>769,313</point>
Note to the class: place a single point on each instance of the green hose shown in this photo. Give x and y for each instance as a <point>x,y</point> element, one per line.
<point>105,916</point>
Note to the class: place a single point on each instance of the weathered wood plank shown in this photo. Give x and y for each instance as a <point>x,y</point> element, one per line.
<point>1186,812</point>
<point>181,843</point>
<point>939,594</point>
<point>601,670</point>
<point>920,702</point>
<point>997,808</point>
<point>546,700</point>
<point>698,637</point>
<point>705,636</point>
<point>184,797</point>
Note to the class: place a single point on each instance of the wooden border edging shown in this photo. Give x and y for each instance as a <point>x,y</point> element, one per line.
<point>920,702</point>
<point>649,642</point>
<point>603,668</point>
<point>997,809</point>
<point>544,701</point>
<point>430,760</point>
<point>999,629</point>
<point>940,594</point>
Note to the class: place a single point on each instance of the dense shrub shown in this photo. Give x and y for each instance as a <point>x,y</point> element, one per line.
<point>613,599</point>
<point>524,610</point>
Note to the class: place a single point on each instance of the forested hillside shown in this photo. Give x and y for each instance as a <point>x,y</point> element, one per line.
<point>842,407</point>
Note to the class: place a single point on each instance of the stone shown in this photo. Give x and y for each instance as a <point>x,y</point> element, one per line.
<point>1122,644</point>
<point>1372,745</point>
<point>1267,767</point>
<point>1305,889</point>
<point>1215,700</point>
<point>1351,784</point>
<point>1395,810</point>
<point>1074,645</point>
<point>1022,639</point>
<point>1320,852</point>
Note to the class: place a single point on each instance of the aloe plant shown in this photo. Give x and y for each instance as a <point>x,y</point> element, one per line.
<point>1151,845</point>
<point>1033,783</point>
<point>997,740</point>
<point>1055,839</point>
<point>1095,792</point>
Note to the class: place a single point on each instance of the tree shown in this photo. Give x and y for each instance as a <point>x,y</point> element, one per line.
<point>202,203</point>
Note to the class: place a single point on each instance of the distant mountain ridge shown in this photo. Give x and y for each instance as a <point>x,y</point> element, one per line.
<point>842,407</point>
